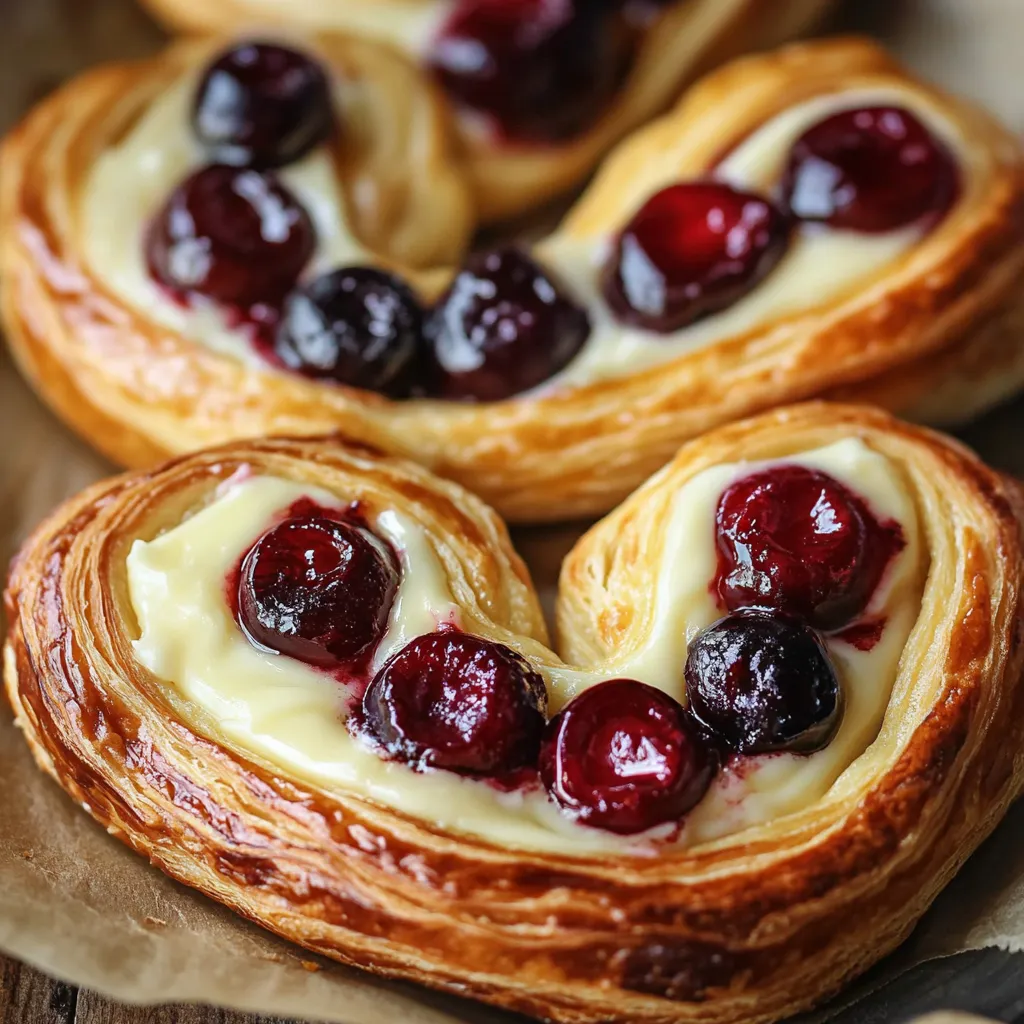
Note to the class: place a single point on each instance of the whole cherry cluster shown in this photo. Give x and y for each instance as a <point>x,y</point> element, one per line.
<point>235,235</point>
<point>798,554</point>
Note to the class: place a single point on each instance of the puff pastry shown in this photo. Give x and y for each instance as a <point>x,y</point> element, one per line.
<point>784,882</point>
<point>678,41</point>
<point>923,319</point>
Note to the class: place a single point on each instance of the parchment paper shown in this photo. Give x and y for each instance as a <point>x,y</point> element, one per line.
<point>951,1018</point>
<point>77,904</point>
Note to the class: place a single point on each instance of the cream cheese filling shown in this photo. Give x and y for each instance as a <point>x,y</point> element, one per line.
<point>293,716</point>
<point>131,180</point>
<point>820,266</point>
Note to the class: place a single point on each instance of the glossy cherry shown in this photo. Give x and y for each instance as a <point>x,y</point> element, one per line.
<point>238,237</point>
<point>871,170</point>
<point>625,757</point>
<point>503,327</point>
<point>318,589</point>
<point>358,326</point>
<point>795,540</point>
<point>693,249</point>
<point>262,105</point>
<point>456,701</point>
<point>763,683</point>
<point>538,70</point>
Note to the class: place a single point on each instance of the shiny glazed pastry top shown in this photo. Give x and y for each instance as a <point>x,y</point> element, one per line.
<point>538,89</point>
<point>808,222</point>
<point>310,679</point>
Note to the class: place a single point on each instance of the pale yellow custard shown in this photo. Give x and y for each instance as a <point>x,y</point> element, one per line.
<point>293,716</point>
<point>131,180</point>
<point>821,265</point>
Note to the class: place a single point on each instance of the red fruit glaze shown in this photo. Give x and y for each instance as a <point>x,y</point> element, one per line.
<point>870,170</point>
<point>318,589</point>
<point>539,70</point>
<point>692,250</point>
<point>455,701</point>
<point>864,636</point>
<point>625,757</point>
<point>262,105</point>
<point>795,540</point>
<point>235,236</point>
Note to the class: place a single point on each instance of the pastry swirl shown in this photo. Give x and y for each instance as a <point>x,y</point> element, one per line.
<point>751,926</point>
<point>924,322</point>
<point>687,38</point>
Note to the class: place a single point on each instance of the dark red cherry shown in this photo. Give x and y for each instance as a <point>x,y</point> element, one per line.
<point>870,170</point>
<point>262,105</point>
<point>625,757</point>
<point>693,249</point>
<point>503,327</point>
<point>763,684</point>
<point>358,326</point>
<point>540,70</point>
<point>317,589</point>
<point>238,237</point>
<point>451,700</point>
<point>795,540</point>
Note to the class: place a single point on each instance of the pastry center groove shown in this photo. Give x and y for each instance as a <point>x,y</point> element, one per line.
<point>699,260</point>
<point>470,763</point>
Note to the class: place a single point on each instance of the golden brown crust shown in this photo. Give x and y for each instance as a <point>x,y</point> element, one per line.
<point>138,391</point>
<point>689,38</point>
<point>748,929</point>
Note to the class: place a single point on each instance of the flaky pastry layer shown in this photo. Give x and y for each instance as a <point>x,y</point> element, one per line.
<point>749,928</point>
<point>934,334</point>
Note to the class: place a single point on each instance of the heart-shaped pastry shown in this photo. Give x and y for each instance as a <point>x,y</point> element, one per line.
<point>313,681</point>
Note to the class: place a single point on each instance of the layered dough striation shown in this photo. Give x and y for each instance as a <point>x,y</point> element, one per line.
<point>750,926</point>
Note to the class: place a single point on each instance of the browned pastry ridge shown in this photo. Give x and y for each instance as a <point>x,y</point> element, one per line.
<point>937,335</point>
<point>688,38</point>
<point>747,928</point>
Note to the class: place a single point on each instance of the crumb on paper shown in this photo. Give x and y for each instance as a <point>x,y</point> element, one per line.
<point>309,965</point>
<point>27,855</point>
<point>154,922</point>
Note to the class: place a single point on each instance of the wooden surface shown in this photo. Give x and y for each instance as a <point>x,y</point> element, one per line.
<point>988,982</point>
<point>28,997</point>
